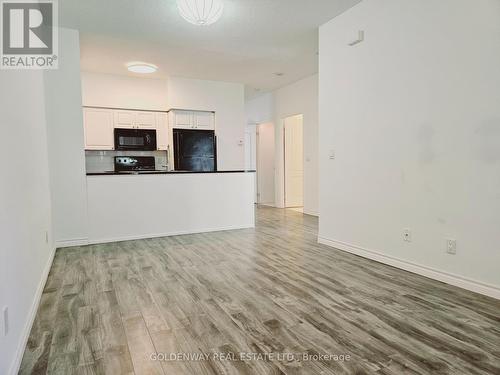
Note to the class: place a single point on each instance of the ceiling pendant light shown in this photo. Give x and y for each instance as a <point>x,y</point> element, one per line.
<point>200,12</point>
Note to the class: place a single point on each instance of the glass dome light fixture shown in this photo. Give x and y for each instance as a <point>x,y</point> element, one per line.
<point>141,67</point>
<point>200,12</point>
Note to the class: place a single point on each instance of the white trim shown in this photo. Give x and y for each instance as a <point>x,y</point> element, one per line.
<point>446,277</point>
<point>168,234</point>
<point>269,204</point>
<point>312,213</point>
<point>87,241</point>
<point>71,243</point>
<point>14,368</point>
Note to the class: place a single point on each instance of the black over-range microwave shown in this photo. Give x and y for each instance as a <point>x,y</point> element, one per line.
<point>135,139</point>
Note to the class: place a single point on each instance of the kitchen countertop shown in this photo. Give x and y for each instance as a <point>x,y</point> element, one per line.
<point>132,173</point>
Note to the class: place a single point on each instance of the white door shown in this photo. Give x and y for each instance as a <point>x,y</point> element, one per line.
<point>124,119</point>
<point>162,131</point>
<point>265,164</point>
<point>294,162</point>
<point>98,126</point>
<point>204,120</point>
<point>145,120</point>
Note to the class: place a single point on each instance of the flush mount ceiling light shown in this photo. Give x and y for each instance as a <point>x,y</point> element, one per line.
<point>200,12</point>
<point>142,68</point>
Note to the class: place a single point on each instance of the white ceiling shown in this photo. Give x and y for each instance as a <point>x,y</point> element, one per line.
<point>253,40</point>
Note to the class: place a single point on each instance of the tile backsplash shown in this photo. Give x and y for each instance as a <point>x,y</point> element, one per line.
<point>103,161</point>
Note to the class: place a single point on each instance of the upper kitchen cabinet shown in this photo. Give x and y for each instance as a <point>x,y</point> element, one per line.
<point>204,120</point>
<point>145,120</point>
<point>162,131</point>
<point>98,126</point>
<point>124,119</point>
<point>134,119</point>
<point>181,119</point>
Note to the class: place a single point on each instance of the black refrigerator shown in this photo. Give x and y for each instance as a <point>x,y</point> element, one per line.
<point>195,150</point>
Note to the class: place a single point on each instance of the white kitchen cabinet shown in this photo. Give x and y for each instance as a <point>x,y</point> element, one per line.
<point>98,127</point>
<point>145,120</point>
<point>182,119</point>
<point>124,119</point>
<point>203,120</point>
<point>134,119</point>
<point>162,134</point>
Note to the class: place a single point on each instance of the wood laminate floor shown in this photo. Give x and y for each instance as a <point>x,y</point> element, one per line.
<point>271,291</point>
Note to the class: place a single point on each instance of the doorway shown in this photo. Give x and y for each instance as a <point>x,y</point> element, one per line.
<point>294,162</point>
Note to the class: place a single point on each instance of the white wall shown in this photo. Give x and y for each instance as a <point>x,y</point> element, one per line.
<point>265,163</point>
<point>298,98</point>
<point>24,208</point>
<point>227,100</point>
<point>250,147</point>
<point>113,91</point>
<point>63,104</point>
<point>414,118</point>
<point>260,109</point>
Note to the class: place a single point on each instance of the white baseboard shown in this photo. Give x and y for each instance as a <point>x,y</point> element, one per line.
<point>71,243</point>
<point>87,241</point>
<point>270,204</point>
<point>312,213</point>
<point>446,277</point>
<point>167,234</point>
<point>14,368</point>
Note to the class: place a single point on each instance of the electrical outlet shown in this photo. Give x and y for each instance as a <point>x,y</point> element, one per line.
<point>5,316</point>
<point>407,234</point>
<point>451,246</point>
<point>331,156</point>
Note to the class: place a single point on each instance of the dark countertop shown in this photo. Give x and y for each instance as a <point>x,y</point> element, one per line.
<point>111,173</point>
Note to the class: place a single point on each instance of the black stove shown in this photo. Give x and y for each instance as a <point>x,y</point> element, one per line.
<point>135,164</point>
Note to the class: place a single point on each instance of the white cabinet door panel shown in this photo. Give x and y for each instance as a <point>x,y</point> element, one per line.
<point>183,119</point>
<point>124,119</point>
<point>98,126</point>
<point>204,120</point>
<point>145,120</point>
